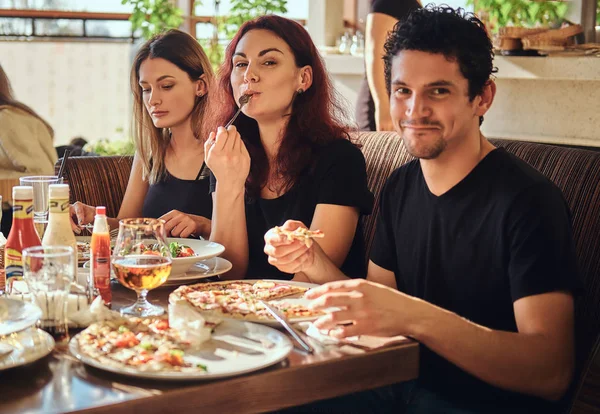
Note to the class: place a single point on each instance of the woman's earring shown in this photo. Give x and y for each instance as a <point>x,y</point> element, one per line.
<point>300,91</point>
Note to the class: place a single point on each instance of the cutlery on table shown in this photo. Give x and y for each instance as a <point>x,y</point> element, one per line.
<point>288,327</point>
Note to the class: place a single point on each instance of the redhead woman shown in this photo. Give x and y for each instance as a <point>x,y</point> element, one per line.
<point>170,80</point>
<point>287,156</point>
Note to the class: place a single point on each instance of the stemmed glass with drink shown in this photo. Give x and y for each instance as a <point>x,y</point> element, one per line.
<point>142,261</point>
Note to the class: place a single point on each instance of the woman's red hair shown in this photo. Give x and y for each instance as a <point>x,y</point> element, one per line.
<point>316,114</point>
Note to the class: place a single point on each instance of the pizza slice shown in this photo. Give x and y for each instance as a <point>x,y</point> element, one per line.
<point>269,290</point>
<point>301,234</point>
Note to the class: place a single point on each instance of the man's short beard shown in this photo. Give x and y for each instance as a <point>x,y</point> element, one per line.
<point>428,153</point>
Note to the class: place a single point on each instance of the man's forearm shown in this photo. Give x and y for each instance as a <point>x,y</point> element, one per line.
<point>526,363</point>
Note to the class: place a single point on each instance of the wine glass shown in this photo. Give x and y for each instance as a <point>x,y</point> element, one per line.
<point>142,261</point>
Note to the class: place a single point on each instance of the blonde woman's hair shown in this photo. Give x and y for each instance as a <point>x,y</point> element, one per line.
<point>7,98</point>
<point>182,50</point>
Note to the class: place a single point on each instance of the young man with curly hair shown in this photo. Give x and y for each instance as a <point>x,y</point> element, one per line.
<point>473,253</point>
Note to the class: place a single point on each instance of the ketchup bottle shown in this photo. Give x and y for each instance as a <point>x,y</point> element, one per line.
<point>22,233</point>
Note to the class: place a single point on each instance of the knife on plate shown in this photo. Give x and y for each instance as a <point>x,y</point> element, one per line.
<point>288,327</point>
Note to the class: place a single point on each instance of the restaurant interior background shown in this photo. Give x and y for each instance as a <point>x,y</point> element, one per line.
<point>69,60</point>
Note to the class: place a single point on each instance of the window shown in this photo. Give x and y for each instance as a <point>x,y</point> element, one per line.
<point>65,18</point>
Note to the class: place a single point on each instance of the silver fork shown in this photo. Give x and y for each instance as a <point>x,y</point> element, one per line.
<point>244,99</point>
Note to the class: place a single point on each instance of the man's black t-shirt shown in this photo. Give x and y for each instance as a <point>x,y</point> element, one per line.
<point>340,178</point>
<point>501,234</point>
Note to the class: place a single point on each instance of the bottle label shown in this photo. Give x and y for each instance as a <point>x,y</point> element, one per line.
<point>101,277</point>
<point>59,205</point>
<point>22,209</point>
<point>13,263</point>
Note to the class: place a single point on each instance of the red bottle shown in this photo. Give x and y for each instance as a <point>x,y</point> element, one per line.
<point>100,256</point>
<point>22,233</point>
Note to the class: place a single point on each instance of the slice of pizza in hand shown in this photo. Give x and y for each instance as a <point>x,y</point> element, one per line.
<point>301,234</point>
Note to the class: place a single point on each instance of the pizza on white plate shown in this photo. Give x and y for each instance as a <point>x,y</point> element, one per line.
<point>149,344</point>
<point>241,299</point>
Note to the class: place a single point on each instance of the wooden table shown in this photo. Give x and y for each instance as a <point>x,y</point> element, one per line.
<point>60,383</point>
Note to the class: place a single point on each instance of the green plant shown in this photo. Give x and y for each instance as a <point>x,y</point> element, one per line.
<point>114,147</point>
<point>244,10</point>
<point>225,27</point>
<point>499,13</point>
<point>153,16</point>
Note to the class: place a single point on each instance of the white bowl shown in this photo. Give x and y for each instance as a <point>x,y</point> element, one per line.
<point>203,249</point>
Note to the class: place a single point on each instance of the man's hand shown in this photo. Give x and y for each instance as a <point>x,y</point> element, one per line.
<point>179,224</point>
<point>289,256</point>
<point>364,308</point>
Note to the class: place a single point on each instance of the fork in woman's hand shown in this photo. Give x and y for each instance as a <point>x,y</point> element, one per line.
<point>244,99</point>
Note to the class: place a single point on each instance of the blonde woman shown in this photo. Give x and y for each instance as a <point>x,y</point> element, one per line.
<point>170,80</point>
<point>26,140</point>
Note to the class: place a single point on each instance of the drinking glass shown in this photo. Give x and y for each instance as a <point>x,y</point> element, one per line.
<point>40,184</point>
<point>49,272</point>
<point>142,261</point>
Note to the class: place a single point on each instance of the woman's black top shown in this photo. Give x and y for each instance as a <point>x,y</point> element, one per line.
<point>187,196</point>
<point>365,107</point>
<point>339,177</point>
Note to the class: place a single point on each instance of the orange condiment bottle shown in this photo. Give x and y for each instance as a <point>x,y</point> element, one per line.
<point>100,256</point>
<point>22,233</point>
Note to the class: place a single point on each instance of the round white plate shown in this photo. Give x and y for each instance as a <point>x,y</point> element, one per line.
<point>203,250</point>
<point>27,347</point>
<point>235,348</point>
<point>201,270</point>
<point>16,315</point>
<point>290,299</point>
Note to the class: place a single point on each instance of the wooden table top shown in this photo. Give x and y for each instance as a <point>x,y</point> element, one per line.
<point>60,383</point>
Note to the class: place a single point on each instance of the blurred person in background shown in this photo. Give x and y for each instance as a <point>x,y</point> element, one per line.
<point>26,139</point>
<point>75,148</point>
<point>170,80</point>
<point>373,103</point>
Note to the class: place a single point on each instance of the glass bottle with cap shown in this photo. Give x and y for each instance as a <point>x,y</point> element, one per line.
<point>22,233</point>
<point>100,256</point>
<point>59,232</point>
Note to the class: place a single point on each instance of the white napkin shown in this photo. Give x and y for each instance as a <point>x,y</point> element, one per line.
<point>50,303</point>
<point>189,322</point>
<point>79,312</point>
<point>363,341</point>
<point>96,312</point>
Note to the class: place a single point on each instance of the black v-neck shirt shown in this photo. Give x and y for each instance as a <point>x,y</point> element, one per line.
<point>187,196</point>
<point>339,178</point>
<point>500,234</point>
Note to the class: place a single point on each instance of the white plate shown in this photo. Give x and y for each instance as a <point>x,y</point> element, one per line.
<point>201,270</point>
<point>229,352</point>
<point>203,250</point>
<point>289,299</point>
<point>16,315</point>
<point>81,256</point>
<point>27,347</point>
